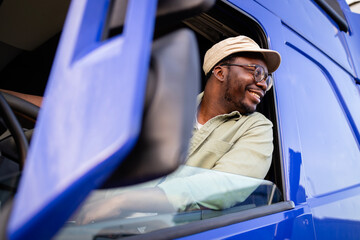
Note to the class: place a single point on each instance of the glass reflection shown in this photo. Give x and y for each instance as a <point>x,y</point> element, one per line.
<point>189,194</point>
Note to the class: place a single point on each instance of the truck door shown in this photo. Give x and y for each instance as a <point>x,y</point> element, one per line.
<point>85,83</point>
<point>92,114</point>
<point>318,99</point>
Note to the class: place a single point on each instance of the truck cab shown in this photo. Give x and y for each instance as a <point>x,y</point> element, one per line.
<point>120,80</point>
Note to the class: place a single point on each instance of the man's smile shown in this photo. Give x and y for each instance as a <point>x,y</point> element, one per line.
<point>256,94</point>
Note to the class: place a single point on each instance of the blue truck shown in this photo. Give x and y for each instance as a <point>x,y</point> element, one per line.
<point>118,112</point>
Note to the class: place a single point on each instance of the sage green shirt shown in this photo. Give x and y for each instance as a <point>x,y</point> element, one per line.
<point>232,143</point>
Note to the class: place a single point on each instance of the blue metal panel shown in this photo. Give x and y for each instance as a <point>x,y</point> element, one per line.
<point>294,224</point>
<point>328,132</point>
<point>337,215</point>
<point>313,24</point>
<point>90,118</point>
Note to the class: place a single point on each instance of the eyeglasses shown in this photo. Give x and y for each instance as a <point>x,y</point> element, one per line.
<point>258,71</point>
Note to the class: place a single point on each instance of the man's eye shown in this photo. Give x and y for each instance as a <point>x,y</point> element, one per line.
<point>257,72</point>
<point>251,69</point>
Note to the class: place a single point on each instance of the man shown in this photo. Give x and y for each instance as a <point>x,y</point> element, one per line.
<point>229,136</point>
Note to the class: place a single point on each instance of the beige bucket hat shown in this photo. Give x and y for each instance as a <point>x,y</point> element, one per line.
<point>240,43</point>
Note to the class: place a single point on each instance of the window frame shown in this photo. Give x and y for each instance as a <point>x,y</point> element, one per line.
<point>333,9</point>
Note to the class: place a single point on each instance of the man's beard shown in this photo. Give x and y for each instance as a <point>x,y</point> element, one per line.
<point>239,106</point>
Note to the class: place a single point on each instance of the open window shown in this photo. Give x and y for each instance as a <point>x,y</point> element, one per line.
<point>221,22</point>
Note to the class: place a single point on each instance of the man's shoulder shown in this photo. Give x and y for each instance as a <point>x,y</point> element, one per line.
<point>257,118</point>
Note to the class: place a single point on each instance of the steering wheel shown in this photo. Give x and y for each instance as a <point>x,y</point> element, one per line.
<point>17,139</point>
<point>13,147</point>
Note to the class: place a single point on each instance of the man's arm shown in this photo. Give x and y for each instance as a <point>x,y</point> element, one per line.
<point>208,189</point>
<point>140,200</point>
<point>36,100</point>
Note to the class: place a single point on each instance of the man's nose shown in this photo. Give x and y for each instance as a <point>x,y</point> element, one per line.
<point>262,85</point>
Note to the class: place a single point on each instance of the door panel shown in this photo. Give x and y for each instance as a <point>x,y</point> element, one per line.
<point>90,118</point>
<point>316,99</point>
<point>293,224</point>
<point>313,24</point>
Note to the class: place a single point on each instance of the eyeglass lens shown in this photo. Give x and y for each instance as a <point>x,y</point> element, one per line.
<point>259,73</point>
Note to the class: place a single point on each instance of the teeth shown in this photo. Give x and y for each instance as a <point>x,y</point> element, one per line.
<point>254,94</point>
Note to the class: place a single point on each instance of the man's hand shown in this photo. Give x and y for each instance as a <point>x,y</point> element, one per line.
<point>36,100</point>
<point>99,210</point>
<point>151,200</point>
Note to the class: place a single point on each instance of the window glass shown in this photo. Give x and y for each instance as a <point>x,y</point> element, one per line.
<point>333,9</point>
<point>193,193</point>
<point>336,7</point>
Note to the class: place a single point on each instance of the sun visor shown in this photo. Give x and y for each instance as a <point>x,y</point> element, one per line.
<point>33,23</point>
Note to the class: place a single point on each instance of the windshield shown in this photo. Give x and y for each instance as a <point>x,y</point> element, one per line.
<point>189,194</point>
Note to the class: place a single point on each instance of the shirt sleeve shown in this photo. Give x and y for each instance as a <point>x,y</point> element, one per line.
<point>210,189</point>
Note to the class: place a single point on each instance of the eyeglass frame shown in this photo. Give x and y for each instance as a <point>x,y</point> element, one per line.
<point>268,76</point>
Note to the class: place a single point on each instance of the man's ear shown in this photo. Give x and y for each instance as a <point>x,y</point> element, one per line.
<point>219,73</point>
